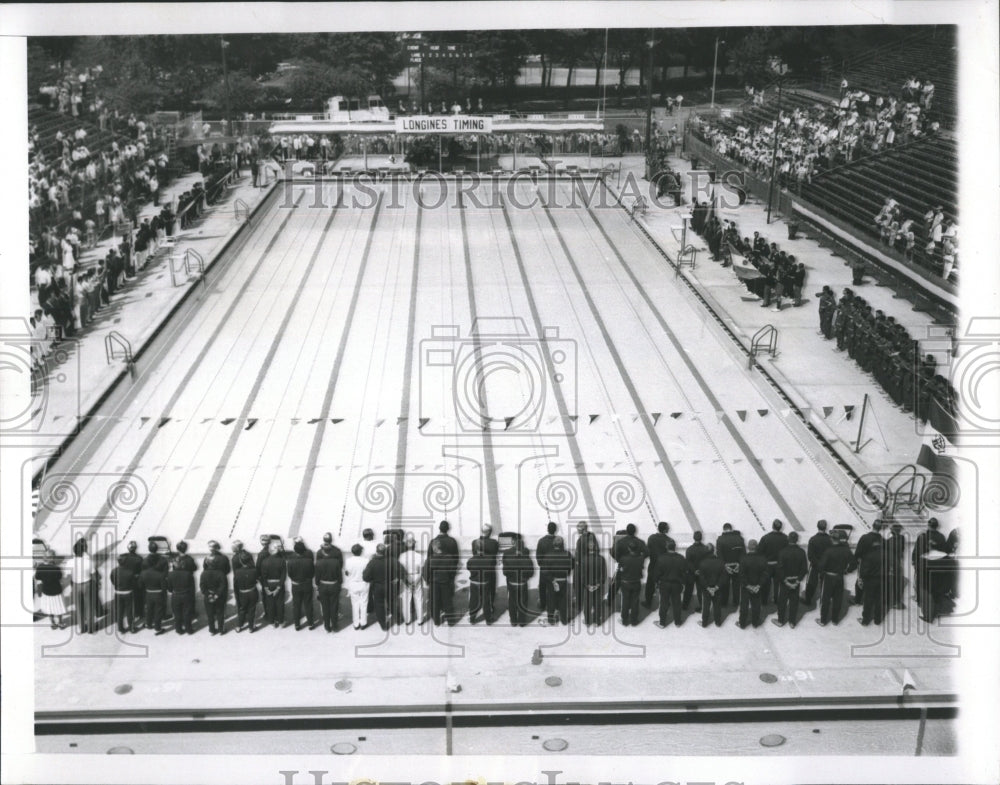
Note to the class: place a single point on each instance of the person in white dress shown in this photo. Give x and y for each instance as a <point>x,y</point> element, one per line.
<point>357,588</point>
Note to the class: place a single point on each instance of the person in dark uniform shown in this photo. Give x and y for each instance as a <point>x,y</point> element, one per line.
<point>591,575</point>
<point>382,575</point>
<point>630,563</point>
<point>154,586</point>
<point>671,574</point>
<point>656,545</point>
<point>180,584</point>
<point>133,562</point>
<point>439,574</point>
<point>771,544</point>
<point>482,582</point>
<point>554,569</point>
<point>265,551</point>
<point>584,539</point>
<point>865,542</point>
<point>827,307</point>
<point>124,581</point>
<point>695,552</point>
<point>489,549</point>
<point>619,547</point>
<point>818,544</point>
<point>542,547</point>
<point>928,540</point>
<point>449,544</point>
<point>712,579</point>
<point>329,579</point>
<point>221,560</point>
<point>895,554</point>
<point>273,570</point>
<point>836,562</point>
<point>184,560</point>
<point>753,575</point>
<point>245,589</point>
<point>214,590</point>
<point>731,549</point>
<point>871,567</point>
<point>518,569</point>
<point>791,570</point>
<point>162,563</point>
<point>301,573</point>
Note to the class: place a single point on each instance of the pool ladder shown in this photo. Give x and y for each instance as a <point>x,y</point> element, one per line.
<point>769,334</point>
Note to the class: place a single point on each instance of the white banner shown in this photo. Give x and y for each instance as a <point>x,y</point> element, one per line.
<point>444,124</point>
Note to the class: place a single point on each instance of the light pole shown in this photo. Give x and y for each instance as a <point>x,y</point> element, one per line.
<point>225,76</point>
<point>649,93</point>
<point>780,69</point>
<point>715,65</point>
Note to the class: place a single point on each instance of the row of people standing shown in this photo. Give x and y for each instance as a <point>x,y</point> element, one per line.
<point>395,582</point>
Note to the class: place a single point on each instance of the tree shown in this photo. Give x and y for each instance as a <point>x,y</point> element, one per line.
<point>313,83</point>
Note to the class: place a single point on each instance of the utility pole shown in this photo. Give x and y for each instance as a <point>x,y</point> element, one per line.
<point>225,76</point>
<point>715,66</point>
<point>649,97</point>
<point>780,68</point>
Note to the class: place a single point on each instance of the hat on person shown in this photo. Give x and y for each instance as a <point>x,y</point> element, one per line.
<point>328,538</point>
<point>213,545</point>
<point>133,546</point>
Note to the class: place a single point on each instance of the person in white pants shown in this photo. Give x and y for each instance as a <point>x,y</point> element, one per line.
<point>357,588</point>
<point>411,585</point>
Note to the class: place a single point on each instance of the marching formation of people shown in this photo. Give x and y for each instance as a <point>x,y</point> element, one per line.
<point>884,348</point>
<point>399,585</point>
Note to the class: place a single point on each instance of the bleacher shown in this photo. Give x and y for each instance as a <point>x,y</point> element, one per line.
<point>919,175</point>
<point>926,55</point>
<point>49,122</point>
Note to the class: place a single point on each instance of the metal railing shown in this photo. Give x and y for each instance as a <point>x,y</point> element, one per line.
<point>115,342</point>
<point>238,206</point>
<point>909,493</point>
<point>768,333</point>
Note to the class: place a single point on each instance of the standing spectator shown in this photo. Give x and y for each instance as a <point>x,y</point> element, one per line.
<point>518,569</point>
<point>439,574</point>
<point>329,578</point>
<point>411,581</point>
<point>482,575</point>
<point>630,564</point>
<point>753,577</point>
<point>554,569</point>
<point>591,576</point>
<point>357,588</point>
<point>84,588</point>
<point>712,579</point>
<point>48,583</point>
<point>382,576</point>
<point>671,575</point>
<point>791,569</point>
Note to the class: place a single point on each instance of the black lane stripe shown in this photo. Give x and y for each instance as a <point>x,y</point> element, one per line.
<point>404,403</point>
<point>706,390</point>
<point>574,445</point>
<point>492,493</point>
<point>265,367</point>
<point>647,422</point>
<point>307,479</point>
<point>196,365</point>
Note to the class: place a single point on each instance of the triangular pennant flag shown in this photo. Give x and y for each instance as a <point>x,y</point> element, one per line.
<point>599,465</point>
<point>574,417</point>
<point>827,411</point>
<point>696,461</point>
<point>401,420</point>
<point>737,460</point>
<point>578,465</point>
<point>423,422</point>
<point>762,412</point>
<point>379,423</point>
<point>635,418</point>
<point>497,467</point>
<point>295,421</point>
<point>250,424</point>
<point>552,419</point>
<point>337,420</point>
<point>593,417</point>
<point>507,422</point>
<point>657,463</point>
<point>719,415</point>
<point>676,463</point>
<point>163,421</point>
<point>742,414</point>
<point>848,412</point>
<point>675,415</point>
<point>799,460</point>
<point>209,419</point>
<point>229,421</point>
<point>144,421</point>
<point>779,460</point>
<point>656,417</point>
<point>314,421</point>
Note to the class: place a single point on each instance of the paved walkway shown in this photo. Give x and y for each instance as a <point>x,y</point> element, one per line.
<point>79,372</point>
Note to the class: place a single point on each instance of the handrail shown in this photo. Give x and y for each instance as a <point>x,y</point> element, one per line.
<point>193,259</point>
<point>112,339</point>
<point>240,204</point>
<point>910,492</point>
<point>767,333</point>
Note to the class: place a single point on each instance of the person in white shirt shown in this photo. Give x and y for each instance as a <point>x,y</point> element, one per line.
<point>411,585</point>
<point>84,588</point>
<point>357,588</point>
